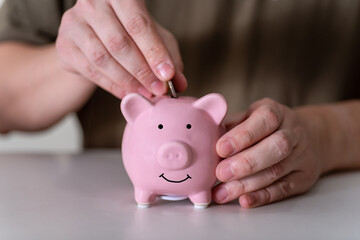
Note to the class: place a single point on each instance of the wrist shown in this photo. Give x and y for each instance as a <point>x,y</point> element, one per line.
<point>334,133</point>
<point>318,132</point>
<point>40,91</point>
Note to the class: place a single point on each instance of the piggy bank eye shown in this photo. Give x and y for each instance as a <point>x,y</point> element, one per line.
<point>188,126</point>
<point>160,126</point>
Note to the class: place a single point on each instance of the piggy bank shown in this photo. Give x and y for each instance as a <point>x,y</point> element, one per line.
<point>168,146</point>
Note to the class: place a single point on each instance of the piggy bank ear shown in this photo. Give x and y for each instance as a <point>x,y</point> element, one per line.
<point>214,104</point>
<point>133,105</point>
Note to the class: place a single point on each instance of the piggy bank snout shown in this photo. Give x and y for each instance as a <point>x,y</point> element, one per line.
<point>174,155</point>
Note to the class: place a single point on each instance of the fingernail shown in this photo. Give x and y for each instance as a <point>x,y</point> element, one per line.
<point>250,199</point>
<point>143,91</point>
<point>226,148</point>
<point>165,70</point>
<point>226,173</point>
<point>158,87</point>
<point>221,195</point>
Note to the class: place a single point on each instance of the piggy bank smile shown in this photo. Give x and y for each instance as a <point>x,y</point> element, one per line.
<point>173,181</point>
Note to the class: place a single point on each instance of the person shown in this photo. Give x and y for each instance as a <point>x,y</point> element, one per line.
<point>58,57</point>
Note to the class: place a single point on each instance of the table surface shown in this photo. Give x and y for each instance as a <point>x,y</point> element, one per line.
<point>89,196</point>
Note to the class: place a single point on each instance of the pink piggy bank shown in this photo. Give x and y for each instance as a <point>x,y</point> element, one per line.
<point>168,146</point>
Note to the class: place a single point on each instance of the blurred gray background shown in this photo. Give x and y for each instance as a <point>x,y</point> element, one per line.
<point>66,136</point>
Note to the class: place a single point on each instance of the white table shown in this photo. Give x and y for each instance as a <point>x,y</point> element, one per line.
<point>89,196</point>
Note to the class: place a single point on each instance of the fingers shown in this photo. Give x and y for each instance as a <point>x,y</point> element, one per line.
<point>122,45</point>
<point>102,63</point>
<point>124,51</point>
<point>267,157</point>
<point>290,185</point>
<point>140,27</point>
<point>264,154</point>
<point>276,167</point>
<point>86,69</point>
<point>264,119</point>
<point>179,80</point>
<point>229,191</point>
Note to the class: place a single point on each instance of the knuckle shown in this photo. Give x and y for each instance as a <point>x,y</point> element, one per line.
<point>93,74</point>
<point>99,57</point>
<point>245,136</point>
<point>128,83</point>
<point>118,43</point>
<point>284,188</point>
<point>143,73</point>
<point>137,24</point>
<point>283,145</point>
<point>268,196</point>
<point>276,171</point>
<point>248,165</point>
<point>270,117</point>
<point>267,100</point>
<point>68,17</point>
<point>69,22</point>
<point>153,54</point>
<point>240,187</point>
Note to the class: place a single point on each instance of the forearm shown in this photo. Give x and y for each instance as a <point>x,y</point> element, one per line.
<point>335,133</point>
<point>35,91</point>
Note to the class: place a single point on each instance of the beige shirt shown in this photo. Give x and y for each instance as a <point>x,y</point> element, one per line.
<point>296,52</point>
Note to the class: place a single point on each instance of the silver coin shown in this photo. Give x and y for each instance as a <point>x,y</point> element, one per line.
<point>172,89</point>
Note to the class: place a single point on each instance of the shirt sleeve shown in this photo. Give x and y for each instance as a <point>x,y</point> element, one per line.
<point>31,21</point>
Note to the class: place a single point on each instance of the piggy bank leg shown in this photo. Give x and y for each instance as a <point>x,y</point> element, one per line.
<point>144,198</point>
<point>201,199</point>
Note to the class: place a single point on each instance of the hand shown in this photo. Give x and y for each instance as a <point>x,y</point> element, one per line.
<point>119,47</point>
<point>269,156</point>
